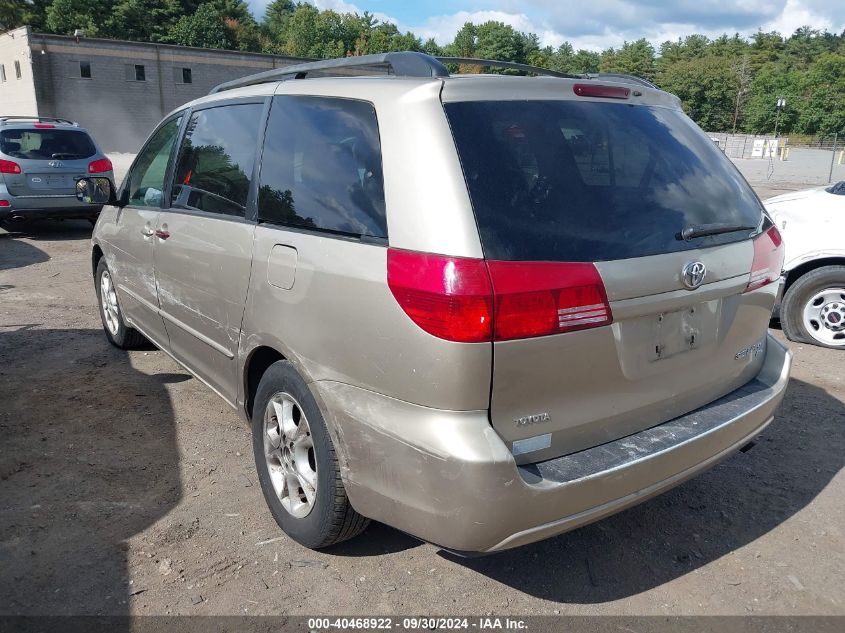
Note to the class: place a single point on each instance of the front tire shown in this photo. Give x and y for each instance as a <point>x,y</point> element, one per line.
<point>118,333</point>
<point>297,464</point>
<point>813,310</point>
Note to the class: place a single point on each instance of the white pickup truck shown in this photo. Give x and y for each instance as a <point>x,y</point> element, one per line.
<point>812,223</point>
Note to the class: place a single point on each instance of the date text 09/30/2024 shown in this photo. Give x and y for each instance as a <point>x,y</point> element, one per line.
<point>417,623</point>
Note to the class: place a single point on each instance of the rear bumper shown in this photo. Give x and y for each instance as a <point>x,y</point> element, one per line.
<point>47,206</point>
<point>448,478</point>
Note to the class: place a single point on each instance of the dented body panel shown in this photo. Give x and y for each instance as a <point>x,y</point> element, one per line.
<point>478,446</point>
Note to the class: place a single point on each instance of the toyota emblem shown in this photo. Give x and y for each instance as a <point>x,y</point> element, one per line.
<point>693,275</point>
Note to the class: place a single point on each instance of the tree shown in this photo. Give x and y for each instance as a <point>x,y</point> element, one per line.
<point>65,16</point>
<point>634,58</point>
<point>772,81</point>
<point>496,40</point>
<point>824,91</point>
<point>300,37</point>
<point>586,62</point>
<point>204,29</point>
<point>276,17</point>
<point>142,20</point>
<point>707,89</point>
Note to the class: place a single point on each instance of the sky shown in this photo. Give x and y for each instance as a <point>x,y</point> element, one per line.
<point>598,24</point>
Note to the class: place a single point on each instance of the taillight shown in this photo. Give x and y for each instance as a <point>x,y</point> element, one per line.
<point>598,90</point>
<point>473,300</point>
<point>541,298</point>
<point>5,203</point>
<point>768,259</point>
<point>8,167</point>
<point>99,166</point>
<point>449,297</point>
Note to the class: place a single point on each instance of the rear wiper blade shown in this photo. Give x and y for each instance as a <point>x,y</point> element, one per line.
<point>66,155</point>
<point>702,230</point>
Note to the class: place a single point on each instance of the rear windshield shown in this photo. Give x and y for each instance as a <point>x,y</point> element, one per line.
<point>587,181</point>
<point>46,144</point>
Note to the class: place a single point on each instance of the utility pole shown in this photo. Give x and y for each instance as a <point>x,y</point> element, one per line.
<point>781,104</point>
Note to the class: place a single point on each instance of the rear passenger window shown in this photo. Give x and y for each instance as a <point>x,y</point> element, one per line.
<point>321,167</point>
<point>215,163</point>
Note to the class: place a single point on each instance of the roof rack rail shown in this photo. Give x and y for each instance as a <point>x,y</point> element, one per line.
<point>622,77</point>
<point>39,119</point>
<point>407,64</point>
<point>404,64</point>
<point>492,63</point>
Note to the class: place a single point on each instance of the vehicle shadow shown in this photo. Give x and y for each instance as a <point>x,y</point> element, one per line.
<point>49,230</point>
<point>89,459</point>
<point>18,254</point>
<point>704,519</point>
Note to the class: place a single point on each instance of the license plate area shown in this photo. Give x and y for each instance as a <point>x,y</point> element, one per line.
<point>51,181</point>
<point>681,331</point>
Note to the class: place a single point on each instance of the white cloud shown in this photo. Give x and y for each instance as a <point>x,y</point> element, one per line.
<point>602,23</point>
<point>597,24</point>
<point>443,27</point>
<point>347,7</point>
<point>795,15</point>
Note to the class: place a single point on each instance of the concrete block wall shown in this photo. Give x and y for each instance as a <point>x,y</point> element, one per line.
<point>17,95</point>
<point>119,110</point>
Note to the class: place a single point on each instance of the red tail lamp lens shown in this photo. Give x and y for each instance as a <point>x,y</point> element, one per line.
<point>768,259</point>
<point>473,300</point>
<point>541,298</point>
<point>448,297</point>
<point>9,167</point>
<point>99,166</point>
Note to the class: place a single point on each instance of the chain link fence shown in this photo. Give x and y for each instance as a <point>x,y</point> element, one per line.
<point>776,164</point>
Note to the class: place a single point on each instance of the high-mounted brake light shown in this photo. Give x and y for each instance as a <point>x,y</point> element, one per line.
<point>604,92</point>
<point>473,300</point>
<point>99,166</point>
<point>44,126</point>
<point>768,259</point>
<point>9,167</point>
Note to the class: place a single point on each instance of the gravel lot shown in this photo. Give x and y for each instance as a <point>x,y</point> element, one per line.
<point>127,487</point>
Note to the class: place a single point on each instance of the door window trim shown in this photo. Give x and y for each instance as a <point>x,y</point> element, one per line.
<point>167,172</point>
<point>251,210</point>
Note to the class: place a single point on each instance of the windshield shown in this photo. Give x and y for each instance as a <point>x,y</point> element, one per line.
<point>587,181</point>
<point>46,144</point>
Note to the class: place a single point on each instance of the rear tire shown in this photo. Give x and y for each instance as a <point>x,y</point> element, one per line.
<point>813,310</point>
<point>118,333</point>
<point>293,450</point>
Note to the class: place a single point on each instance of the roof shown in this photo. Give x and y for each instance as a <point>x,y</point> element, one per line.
<point>23,120</point>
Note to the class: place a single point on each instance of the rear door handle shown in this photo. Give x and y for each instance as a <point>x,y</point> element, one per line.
<point>162,235</point>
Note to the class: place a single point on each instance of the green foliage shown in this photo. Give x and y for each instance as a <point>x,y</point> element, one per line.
<point>205,28</point>
<point>65,16</point>
<point>729,83</point>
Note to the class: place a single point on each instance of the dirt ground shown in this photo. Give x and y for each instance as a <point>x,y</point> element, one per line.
<point>127,487</point>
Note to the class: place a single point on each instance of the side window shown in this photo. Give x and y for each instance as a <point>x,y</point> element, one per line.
<point>321,167</point>
<point>146,180</point>
<point>215,164</point>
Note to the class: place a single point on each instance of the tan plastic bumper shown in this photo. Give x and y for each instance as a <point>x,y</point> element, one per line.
<point>446,476</point>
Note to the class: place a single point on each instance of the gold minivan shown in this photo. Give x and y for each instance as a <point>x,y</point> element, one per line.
<point>482,309</point>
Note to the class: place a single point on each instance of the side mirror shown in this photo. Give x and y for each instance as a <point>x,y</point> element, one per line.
<point>95,191</point>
